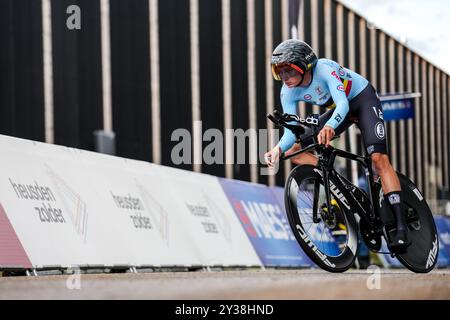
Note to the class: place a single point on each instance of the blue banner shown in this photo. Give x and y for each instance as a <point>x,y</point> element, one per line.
<point>386,259</point>
<point>443,226</point>
<point>278,192</point>
<point>397,108</point>
<point>265,223</point>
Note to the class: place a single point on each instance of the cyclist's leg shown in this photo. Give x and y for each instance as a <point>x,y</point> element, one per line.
<point>304,158</point>
<point>373,130</point>
<point>371,124</point>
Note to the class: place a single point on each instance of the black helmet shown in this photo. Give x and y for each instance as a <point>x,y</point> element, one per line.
<point>295,53</point>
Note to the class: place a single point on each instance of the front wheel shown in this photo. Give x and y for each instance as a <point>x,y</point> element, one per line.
<point>330,239</point>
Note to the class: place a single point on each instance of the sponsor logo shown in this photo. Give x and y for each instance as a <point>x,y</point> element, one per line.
<point>379,130</point>
<point>204,215</point>
<point>335,191</point>
<point>433,254</point>
<point>307,97</point>
<point>319,91</point>
<point>341,72</point>
<point>380,198</point>
<point>312,120</point>
<point>32,191</point>
<point>397,105</point>
<point>378,113</point>
<point>309,56</point>
<point>43,197</point>
<point>127,202</point>
<point>394,198</point>
<point>49,214</point>
<point>324,97</point>
<point>334,74</point>
<point>134,209</point>
<point>338,118</point>
<point>340,88</point>
<point>417,193</point>
<point>264,220</point>
<point>370,149</point>
<point>314,248</point>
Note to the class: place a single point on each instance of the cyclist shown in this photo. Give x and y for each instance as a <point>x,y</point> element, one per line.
<point>351,99</point>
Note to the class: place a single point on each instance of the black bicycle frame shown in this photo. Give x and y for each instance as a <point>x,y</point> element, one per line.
<point>327,156</point>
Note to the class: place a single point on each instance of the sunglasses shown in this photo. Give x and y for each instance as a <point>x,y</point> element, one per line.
<point>285,71</point>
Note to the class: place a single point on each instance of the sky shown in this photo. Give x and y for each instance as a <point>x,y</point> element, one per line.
<point>423,25</point>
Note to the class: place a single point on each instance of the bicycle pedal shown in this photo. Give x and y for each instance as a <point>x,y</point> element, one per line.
<point>400,249</point>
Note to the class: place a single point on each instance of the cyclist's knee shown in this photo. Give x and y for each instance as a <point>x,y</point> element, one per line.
<point>304,158</point>
<point>380,161</point>
<point>300,159</point>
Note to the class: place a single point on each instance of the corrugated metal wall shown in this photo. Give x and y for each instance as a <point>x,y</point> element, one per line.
<point>21,72</point>
<point>144,68</point>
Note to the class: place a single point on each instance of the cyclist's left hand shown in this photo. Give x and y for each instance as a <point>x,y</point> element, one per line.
<point>325,135</point>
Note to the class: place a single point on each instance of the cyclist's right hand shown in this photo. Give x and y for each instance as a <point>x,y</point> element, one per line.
<point>273,156</point>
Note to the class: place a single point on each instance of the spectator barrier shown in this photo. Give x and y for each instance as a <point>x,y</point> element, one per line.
<point>62,207</point>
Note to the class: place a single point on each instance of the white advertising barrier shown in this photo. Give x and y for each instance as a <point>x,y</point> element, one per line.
<point>34,208</point>
<point>135,196</point>
<point>205,212</point>
<point>71,207</point>
<point>61,207</point>
<point>98,225</point>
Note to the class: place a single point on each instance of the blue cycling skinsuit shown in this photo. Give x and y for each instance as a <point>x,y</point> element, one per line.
<point>350,98</point>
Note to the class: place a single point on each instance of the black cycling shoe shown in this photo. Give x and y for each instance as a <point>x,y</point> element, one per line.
<point>399,242</point>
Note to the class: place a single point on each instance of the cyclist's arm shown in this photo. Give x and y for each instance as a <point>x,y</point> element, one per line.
<point>288,138</point>
<point>339,97</point>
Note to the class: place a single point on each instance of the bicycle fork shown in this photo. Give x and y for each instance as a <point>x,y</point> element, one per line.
<point>326,184</point>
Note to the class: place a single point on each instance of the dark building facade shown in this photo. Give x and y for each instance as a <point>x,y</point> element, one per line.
<point>144,68</point>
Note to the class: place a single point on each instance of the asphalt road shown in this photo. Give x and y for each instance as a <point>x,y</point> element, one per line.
<point>249,284</point>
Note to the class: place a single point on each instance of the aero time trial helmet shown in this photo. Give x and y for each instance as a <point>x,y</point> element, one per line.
<point>295,53</point>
